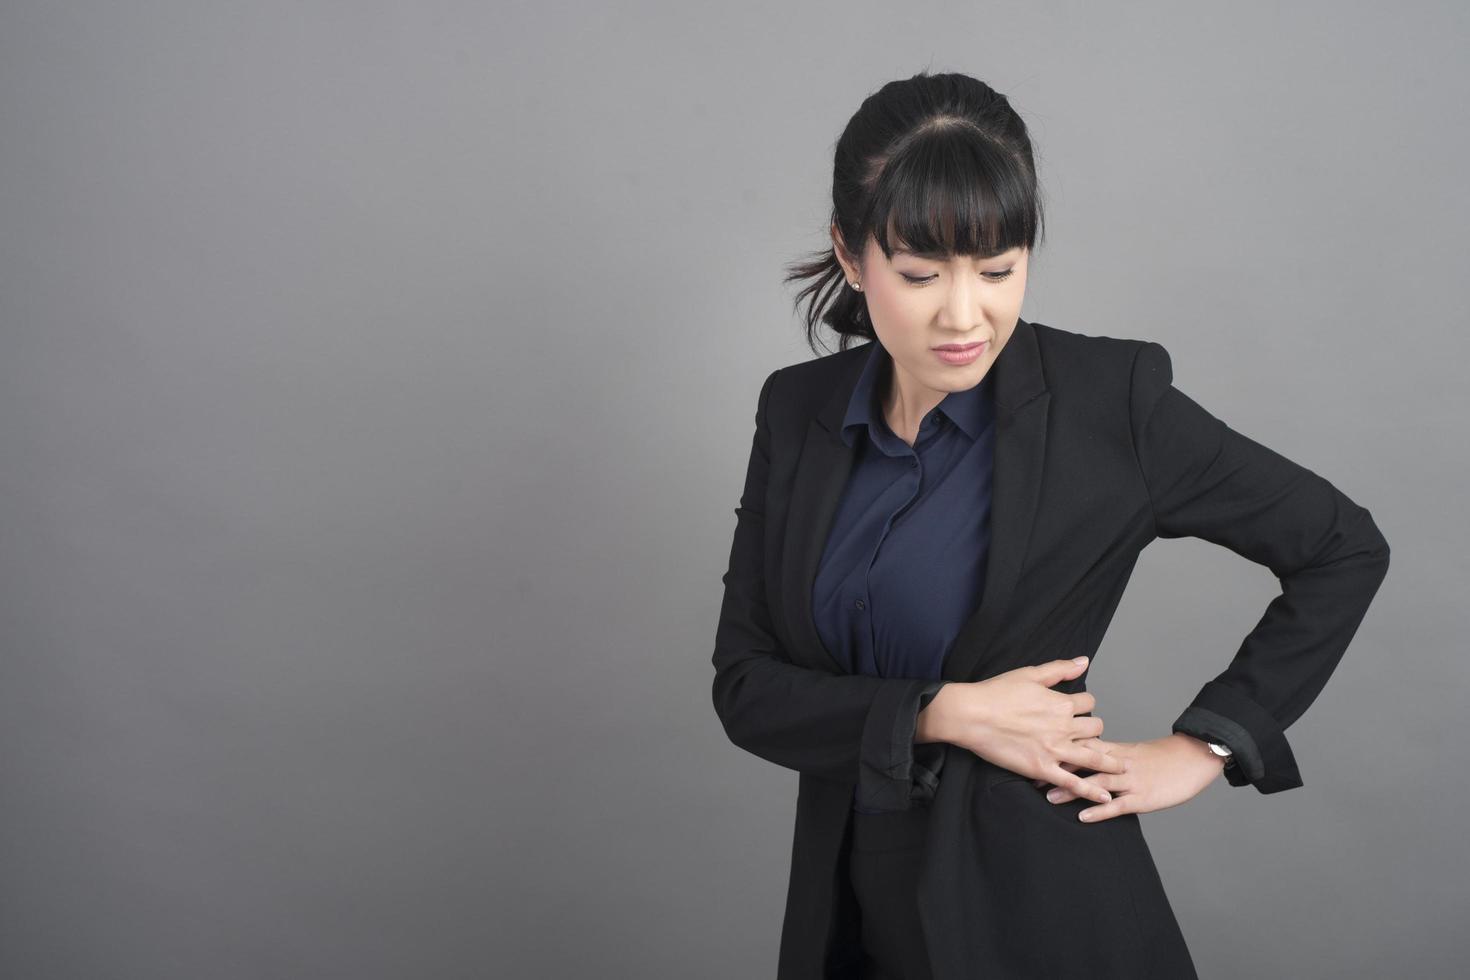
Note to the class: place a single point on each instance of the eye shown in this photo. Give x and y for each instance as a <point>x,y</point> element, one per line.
<point>990,276</point>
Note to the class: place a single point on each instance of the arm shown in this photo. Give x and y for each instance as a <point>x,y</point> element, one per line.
<point>850,727</point>
<point>1208,481</point>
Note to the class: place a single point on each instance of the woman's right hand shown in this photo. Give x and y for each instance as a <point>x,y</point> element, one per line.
<point>1017,722</point>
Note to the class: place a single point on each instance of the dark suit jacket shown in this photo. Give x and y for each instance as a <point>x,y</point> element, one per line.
<point>1096,455</point>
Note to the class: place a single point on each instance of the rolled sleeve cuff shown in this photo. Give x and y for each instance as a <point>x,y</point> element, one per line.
<point>1261,755</point>
<point>893,772</point>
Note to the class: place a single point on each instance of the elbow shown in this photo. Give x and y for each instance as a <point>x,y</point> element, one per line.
<point>1377,547</point>
<point>1368,548</point>
<point>720,697</point>
<point>725,694</point>
<point>1382,555</point>
<point>1355,563</point>
<point>1370,559</point>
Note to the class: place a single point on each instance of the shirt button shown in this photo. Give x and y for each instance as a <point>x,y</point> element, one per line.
<point>913,461</point>
<point>860,603</point>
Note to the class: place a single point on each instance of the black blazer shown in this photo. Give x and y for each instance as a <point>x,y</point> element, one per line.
<point>1096,455</point>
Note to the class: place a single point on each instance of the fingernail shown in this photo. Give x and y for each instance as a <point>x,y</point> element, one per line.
<point>1053,795</point>
<point>1106,796</point>
<point>1079,660</point>
<point>1085,814</point>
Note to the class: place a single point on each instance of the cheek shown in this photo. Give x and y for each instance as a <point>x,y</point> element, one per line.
<point>880,303</point>
<point>902,304</point>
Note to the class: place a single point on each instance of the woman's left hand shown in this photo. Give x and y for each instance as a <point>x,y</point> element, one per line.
<point>1161,773</point>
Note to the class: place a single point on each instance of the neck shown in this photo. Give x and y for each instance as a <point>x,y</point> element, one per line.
<point>903,409</point>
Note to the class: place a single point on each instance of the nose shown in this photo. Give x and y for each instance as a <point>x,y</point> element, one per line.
<point>960,312</point>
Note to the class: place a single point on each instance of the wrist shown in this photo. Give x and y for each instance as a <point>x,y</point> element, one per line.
<point>1200,747</point>
<point>931,724</point>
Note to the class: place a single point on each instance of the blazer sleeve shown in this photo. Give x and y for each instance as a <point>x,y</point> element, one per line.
<point>854,728</point>
<point>1206,480</point>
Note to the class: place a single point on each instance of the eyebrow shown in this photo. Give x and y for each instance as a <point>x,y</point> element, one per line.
<point>940,256</point>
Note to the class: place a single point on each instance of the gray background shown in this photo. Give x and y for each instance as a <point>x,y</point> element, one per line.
<point>376,384</point>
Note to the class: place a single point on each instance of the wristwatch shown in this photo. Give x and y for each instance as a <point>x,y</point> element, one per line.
<point>1223,751</point>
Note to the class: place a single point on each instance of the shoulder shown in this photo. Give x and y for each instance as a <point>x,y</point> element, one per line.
<point>799,390</point>
<point>1098,364</point>
<point>1071,354</point>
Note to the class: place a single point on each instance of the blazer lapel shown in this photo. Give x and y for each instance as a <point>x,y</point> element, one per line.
<point>1021,401</point>
<point>1021,404</point>
<point>821,475</point>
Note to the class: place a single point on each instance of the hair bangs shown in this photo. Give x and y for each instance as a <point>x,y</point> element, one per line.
<point>951,191</point>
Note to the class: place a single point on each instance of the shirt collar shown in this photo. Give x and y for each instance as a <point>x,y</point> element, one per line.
<point>971,410</point>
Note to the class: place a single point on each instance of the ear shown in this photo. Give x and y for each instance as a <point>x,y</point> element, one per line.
<point>844,257</point>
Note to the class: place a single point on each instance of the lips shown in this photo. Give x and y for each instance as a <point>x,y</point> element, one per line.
<point>960,347</point>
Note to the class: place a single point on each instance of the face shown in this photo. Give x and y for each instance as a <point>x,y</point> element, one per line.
<point>919,304</point>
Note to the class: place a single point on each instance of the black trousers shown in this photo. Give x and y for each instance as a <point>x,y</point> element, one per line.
<point>883,870</point>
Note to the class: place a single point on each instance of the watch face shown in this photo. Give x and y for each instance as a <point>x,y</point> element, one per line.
<point>1219,749</point>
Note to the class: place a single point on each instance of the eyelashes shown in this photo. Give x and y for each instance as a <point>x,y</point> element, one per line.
<point>990,276</point>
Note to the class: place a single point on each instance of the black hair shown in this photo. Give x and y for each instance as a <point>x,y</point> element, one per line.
<point>940,165</point>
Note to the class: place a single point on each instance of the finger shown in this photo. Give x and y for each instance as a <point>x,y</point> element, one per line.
<point>1083,702</point>
<point>1088,769</point>
<point>1070,767</point>
<point>1113,784</point>
<point>1098,760</point>
<point>1056,671</point>
<point>1095,760</point>
<point>1086,726</point>
<point>1042,782</point>
<point>1119,805</point>
<point>1104,745</point>
<point>1080,787</point>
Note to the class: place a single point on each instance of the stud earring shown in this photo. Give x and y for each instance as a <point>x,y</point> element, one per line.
<point>856,285</point>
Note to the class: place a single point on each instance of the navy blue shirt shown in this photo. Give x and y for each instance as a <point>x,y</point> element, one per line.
<point>904,563</point>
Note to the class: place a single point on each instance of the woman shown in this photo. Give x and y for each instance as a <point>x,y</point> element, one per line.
<point>935,529</point>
